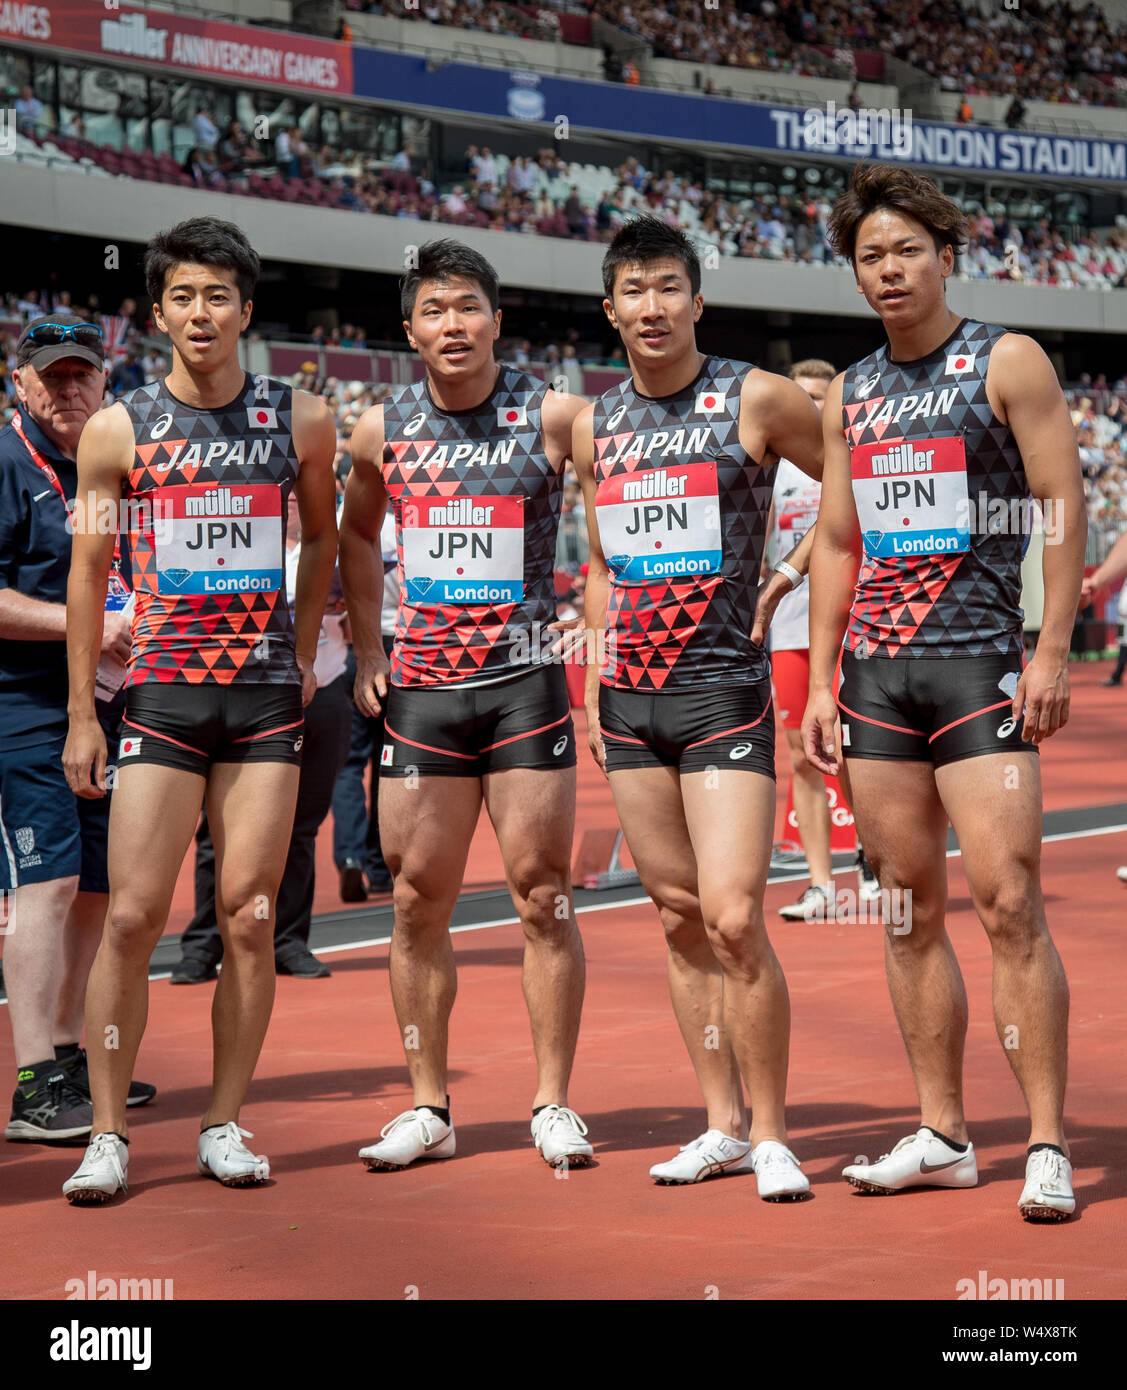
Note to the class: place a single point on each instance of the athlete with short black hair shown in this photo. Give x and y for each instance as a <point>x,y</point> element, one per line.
<point>471,459</point>
<point>676,466</point>
<point>934,445</point>
<point>218,676</point>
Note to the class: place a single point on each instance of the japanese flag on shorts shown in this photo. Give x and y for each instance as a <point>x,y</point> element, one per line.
<point>128,747</point>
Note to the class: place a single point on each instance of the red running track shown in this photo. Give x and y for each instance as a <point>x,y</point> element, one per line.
<point>495,1222</point>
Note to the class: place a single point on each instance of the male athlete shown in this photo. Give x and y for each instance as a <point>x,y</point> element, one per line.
<point>934,444</point>
<point>676,466</point>
<point>471,459</point>
<point>204,462</point>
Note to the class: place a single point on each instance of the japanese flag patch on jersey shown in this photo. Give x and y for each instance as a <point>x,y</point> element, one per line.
<point>511,415</point>
<point>262,417</point>
<point>709,402</point>
<point>958,363</point>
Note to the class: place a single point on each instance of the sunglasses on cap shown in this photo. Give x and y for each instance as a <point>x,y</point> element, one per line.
<point>51,334</point>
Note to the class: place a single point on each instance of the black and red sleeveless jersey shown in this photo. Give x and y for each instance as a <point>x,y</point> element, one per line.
<point>682,515</point>
<point>942,503</point>
<point>477,508</point>
<point>206,499</point>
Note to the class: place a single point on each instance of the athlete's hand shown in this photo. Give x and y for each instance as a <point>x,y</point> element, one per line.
<point>595,736</point>
<point>572,645</point>
<point>370,690</point>
<point>1042,692</point>
<point>308,680</point>
<point>771,592</point>
<point>85,748</point>
<point>1088,592</point>
<point>819,736</point>
<point>115,635</point>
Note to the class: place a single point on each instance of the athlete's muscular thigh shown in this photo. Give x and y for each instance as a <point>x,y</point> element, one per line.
<point>533,813</point>
<point>652,815</point>
<point>730,816</point>
<point>995,806</point>
<point>153,815</point>
<point>903,826</point>
<point>426,825</point>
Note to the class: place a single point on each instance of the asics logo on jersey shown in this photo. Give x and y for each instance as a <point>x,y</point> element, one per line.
<point>613,420</point>
<point>867,387</point>
<point>161,427</point>
<point>560,745</point>
<point>415,425</point>
<point>1004,730</point>
<point>741,750</point>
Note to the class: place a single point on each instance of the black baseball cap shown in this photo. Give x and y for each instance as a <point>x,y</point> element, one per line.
<point>43,348</point>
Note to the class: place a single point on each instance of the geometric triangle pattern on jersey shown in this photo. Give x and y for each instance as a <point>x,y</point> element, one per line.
<point>207,638</point>
<point>962,604</point>
<point>666,634</point>
<point>433,455</point>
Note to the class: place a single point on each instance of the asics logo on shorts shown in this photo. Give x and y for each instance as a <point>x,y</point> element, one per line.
<point>415,425</point>
<point>1004,730</point>
<point>300,741</point>
<point>741,750</point>
<point>559,746</point>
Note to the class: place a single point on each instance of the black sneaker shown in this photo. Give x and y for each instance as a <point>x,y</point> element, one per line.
<point>193,972</point>
<point>305,966</point>
<point>352,886</point>
<point>380,880</point>
<point>49,1109</point>
<point>140,1092</point>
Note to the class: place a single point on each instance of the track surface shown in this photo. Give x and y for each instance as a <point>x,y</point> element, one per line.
<point>495,1222</point>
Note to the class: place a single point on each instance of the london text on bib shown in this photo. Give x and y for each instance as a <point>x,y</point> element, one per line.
<point>661,524</point>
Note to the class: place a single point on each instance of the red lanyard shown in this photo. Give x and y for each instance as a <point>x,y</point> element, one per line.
<point>53,478</point>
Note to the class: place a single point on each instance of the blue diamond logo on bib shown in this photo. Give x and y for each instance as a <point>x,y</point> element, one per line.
<point>873,539</point>
<point>177,576</point>
<point>423,584</point>
<point>619,562</point>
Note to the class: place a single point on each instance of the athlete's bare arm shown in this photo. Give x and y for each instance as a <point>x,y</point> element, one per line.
<point>779,420</point>
<point>1112,569</point>
<point>557,417</point>
<point>361,559</point>
<point>833,573</point>
<point>598,577</point>
<point>315,441</point>
<point>105,455</point>
<point>1024,392</point>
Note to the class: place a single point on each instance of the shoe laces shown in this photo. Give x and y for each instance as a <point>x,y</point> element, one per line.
<point>425,1123</point>
<point>231,1137</point>
<point>778,1156</point>
<point>66,1092</point>
<point>558,1113</point>
<point>104,1146</point>
<point>1049,1168</point>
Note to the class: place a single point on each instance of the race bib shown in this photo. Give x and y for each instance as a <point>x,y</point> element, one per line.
<point>463,550</point>
<point>912,497</point>
<point>224,539</point>
<point>661,524</point>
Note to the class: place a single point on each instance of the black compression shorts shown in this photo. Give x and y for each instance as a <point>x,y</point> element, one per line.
<point>692,730</point>
<point>929,710</point>
<point>192,726</point>
<point>459,732</point>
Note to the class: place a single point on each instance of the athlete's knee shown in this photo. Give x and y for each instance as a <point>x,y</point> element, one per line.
<point>420,901</point>
<point>737,931</point>
<point>547,908</point>
<point>679,911</point>
<point>250,923</point>
<point>1012,912</point>
<point>132,927</point>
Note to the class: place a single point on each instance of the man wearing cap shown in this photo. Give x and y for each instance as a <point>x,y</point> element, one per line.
<point>52,846</point>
